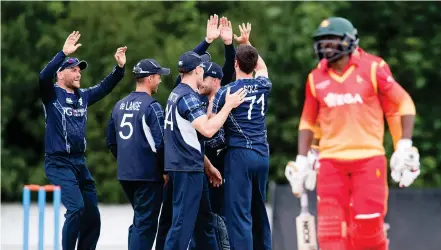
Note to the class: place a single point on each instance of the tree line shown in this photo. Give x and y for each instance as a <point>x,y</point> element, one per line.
<point>406,35</point>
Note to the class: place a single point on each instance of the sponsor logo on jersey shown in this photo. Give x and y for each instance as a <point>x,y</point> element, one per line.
<point>74,112</point>
<point>360,79</point>
<point>334,100</point>
<point>323,85</point>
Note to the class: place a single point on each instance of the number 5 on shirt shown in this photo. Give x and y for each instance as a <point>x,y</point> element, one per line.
<point>125,123</point>
<point>253,99</point>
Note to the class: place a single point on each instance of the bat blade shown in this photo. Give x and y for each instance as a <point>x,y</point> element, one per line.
<point>305,226</point>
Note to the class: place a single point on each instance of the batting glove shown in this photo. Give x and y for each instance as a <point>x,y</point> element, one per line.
<point>405,163</point>
<point>313,159</point>
<point>300,174</point>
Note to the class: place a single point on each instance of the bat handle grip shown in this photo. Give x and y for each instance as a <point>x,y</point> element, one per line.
<point>304,201</point>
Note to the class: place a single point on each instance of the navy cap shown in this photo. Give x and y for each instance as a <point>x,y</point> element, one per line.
<point>70,62</point>
<point>148,67</point>
<point>190,60</point>
<point>212,69</point>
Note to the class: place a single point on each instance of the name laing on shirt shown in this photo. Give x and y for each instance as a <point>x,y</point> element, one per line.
<point>130,106</point>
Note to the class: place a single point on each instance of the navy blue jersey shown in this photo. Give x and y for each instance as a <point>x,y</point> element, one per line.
<point>245,126</point>
<point>135,133</point>
<point>66,113</point>
<point>184,146</point>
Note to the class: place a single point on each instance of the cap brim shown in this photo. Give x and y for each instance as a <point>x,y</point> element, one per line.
<point>164,71</point>
<point>81,64</point>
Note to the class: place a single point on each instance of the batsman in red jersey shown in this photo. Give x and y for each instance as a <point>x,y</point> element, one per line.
<point>348,95</point>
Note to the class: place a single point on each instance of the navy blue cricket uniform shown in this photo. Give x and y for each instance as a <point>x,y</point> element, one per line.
<point>65,146</point>
<point>184,162</point>
<point>135,137</point>
<point>246,165</point>
<point>165,220</point>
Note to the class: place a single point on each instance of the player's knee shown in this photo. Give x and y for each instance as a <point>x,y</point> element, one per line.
<point>367,231</point>
<point>332,231</point>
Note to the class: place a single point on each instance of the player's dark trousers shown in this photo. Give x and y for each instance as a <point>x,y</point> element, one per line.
<point>165,220</point>
<point>146,199</point>
<point>79,197</point>
<point>191,206</point>
<point>246,174</point>
<point>217,193</point>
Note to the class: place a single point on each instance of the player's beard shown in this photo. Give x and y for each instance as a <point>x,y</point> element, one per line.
<point>74,83</point>
<point>155,89</point>
<point>329,52</point>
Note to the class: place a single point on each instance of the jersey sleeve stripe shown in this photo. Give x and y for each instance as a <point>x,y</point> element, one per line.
<point>374,66</point>
<point>407,107</point>
<point>382,63</point>
<point>148,134</point>
<point>305,125</point>
<point>311,84</point>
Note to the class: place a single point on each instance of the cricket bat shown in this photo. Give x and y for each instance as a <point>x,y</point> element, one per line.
<point>305,225</point>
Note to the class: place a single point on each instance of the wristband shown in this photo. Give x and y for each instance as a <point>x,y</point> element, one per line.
<point>404,143</point>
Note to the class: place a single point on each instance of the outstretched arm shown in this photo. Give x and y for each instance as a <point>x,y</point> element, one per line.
<point>211,35</point>
<point>97,92</point>
<point>244,38</point>
<point>47,89</point>
<point>46,85</point>
<point>226,33</point>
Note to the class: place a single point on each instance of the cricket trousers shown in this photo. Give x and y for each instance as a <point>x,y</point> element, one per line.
<point>352,203</point>
<point>246,175</point>
<point>216,201</point>
<point>165,219</point>
<point>217,193</point>
<point>191,212</point>
<point>146,199</point>
<point>79,197</point>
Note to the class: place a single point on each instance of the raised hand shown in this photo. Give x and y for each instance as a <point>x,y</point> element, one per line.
<point>226,31</point>
<point>120,56</point>
<point>244,37</point>
<point>213,30</point>
<point>70,46</point>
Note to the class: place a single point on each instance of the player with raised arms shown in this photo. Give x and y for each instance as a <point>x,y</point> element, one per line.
<point>247,157</point>
<point>186,127</point>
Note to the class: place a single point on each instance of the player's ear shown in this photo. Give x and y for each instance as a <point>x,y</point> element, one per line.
<point>60,75</point>
<point>151,78</point>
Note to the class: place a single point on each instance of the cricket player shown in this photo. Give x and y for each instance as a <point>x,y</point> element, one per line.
<point>186,127</point>
<point>247,157</point>
<point>135,138</point>
<point>347,94</point>
<point>214,76</point>
<point>65,106</point>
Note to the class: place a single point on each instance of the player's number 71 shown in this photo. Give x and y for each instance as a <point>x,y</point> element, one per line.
<point>253,99</point>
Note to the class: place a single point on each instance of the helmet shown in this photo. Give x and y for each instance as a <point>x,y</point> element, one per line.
<point>335,27</point>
